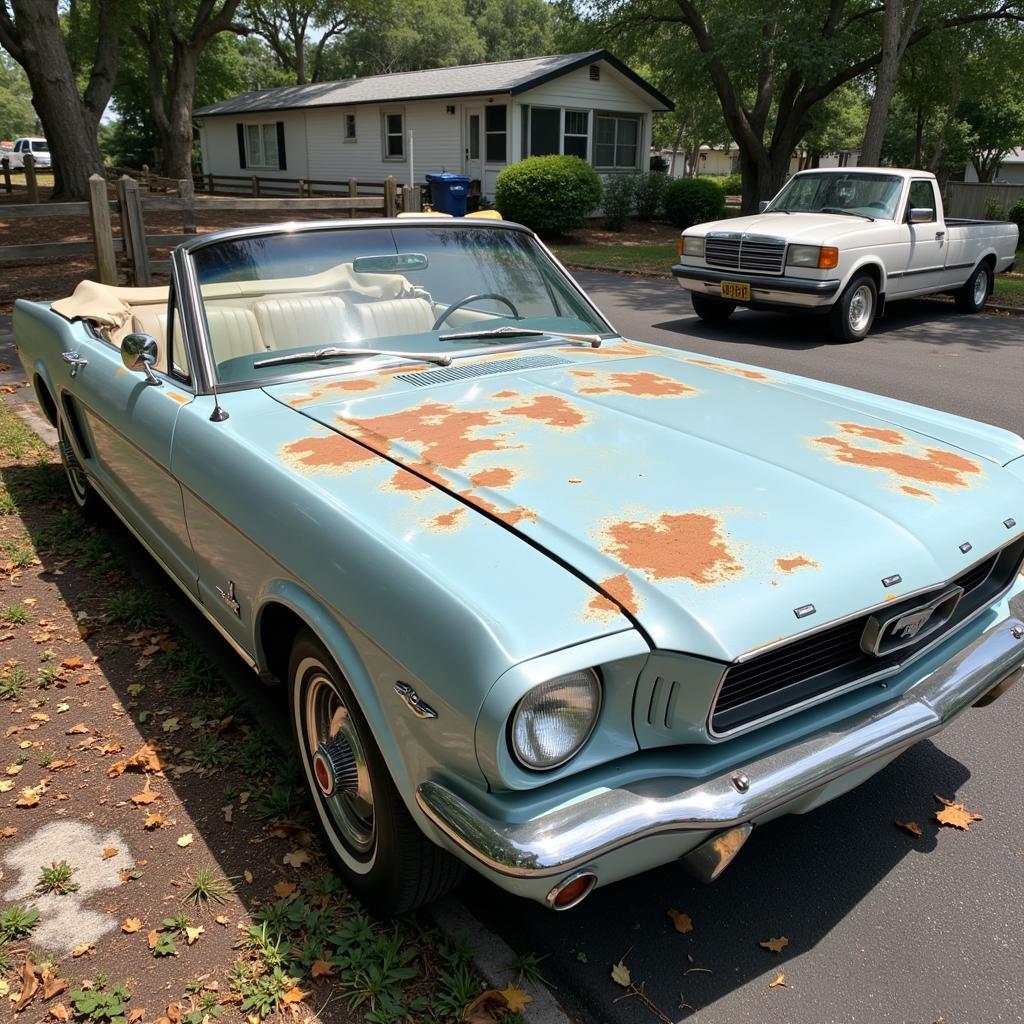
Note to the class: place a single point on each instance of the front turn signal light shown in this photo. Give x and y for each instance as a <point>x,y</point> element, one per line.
<point>828,258</point>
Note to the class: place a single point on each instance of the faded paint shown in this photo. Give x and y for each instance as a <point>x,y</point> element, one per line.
<point>641,383</point>
<point>737,371</point>
<point>177,396</point>
<point>331,454</point>
<point>688,545</point>
<point>553,410</point>
<point>794,562</point>
<point>622,348</point>
<point>904,459</point>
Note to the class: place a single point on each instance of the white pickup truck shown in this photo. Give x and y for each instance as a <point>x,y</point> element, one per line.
<point>39,148</point>
<point>843,241</point>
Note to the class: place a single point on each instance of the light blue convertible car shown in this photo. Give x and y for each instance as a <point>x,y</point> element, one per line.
<point>551,603</point>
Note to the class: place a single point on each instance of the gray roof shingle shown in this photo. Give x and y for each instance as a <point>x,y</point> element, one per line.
<point>507,76</point>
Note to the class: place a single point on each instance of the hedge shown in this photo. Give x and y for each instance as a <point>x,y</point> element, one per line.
<point>550,194</point>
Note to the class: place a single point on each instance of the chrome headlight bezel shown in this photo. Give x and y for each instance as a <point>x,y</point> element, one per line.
<point>693,245</point>
<point>800,255</point>
<point>529,705</point>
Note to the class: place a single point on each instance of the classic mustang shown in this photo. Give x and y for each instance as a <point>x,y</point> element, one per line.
<point>551,603</point>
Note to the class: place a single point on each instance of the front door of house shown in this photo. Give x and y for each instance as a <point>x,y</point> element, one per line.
<point>472,163</point>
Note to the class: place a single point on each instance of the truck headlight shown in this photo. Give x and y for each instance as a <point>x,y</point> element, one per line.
<point>821,257</point>
<point>693,245</point>
<point>554,719</point>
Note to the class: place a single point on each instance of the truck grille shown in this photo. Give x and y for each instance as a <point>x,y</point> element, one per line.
<point>831,659</point>
<point>757,254</point>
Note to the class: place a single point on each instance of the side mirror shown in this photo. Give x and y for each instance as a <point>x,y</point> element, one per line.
<point>763,205</point>
<point>921,215</point>
<point>138,353</point>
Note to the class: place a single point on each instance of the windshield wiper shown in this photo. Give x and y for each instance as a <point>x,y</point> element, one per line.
<point>520,332</point>
<point>439,358</point>
<point>846,213</point>
<point>779,210</point>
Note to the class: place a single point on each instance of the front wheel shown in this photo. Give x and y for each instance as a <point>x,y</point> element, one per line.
<point>712,311</point>
<point>851,317</point>
<point>971,297</point>
<point>379,850</point>
<point>84,497</point>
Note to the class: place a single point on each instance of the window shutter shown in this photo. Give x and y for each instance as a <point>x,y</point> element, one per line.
<point>240,128</point>
<point>282,162</point>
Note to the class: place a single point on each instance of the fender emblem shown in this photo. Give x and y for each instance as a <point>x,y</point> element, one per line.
<point>420,708</point>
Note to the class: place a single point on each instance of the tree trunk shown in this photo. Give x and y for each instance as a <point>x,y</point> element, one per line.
<point>176,138</point>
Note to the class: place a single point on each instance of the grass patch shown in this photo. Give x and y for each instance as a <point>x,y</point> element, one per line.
<point>641,258</point>
<point>17,440</point>
<point>135,608</point>
<point>15,614</point>
<point>209,886</point>
<point>1009,290</point>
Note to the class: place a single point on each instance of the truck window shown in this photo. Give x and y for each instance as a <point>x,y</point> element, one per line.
<point>41,147</point>
<point>922,196</point>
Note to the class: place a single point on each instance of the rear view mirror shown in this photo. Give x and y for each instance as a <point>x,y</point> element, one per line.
<point>139,353</point>
<point>394,263</point>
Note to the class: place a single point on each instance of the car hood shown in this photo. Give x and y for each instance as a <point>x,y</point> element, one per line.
<point>808,228</point>
<point>705,499</point>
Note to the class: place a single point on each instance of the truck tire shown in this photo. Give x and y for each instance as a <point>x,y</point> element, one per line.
<point>712,311</point>
<point>851,317</point>
<point>972,296</point>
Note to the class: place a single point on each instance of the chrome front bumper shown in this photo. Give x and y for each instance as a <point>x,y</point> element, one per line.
<point>575,834</point>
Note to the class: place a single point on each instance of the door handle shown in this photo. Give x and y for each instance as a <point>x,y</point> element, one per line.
<point>74,360</point>
<point>940,235</point>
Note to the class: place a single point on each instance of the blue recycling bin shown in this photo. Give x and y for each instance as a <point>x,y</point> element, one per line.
<point>449,192</point>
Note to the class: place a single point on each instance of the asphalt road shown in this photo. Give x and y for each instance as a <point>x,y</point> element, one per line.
<point>882,927</point>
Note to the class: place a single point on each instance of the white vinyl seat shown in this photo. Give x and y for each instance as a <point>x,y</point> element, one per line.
<point>152,320</point>
<point>233,332</point>
<point>390,317</point>
<point>290,321</point>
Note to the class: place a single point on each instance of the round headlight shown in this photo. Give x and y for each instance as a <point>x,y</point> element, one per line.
<point>555,718</point>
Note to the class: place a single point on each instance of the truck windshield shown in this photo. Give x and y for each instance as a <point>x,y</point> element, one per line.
<point>867,195</point>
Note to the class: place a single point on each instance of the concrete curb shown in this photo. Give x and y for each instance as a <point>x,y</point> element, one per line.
<point>23,401</point>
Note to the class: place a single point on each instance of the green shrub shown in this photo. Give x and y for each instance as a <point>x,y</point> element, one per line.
<point>650,194</point>
<point>617,193</point>
<point>730,184</point>
<point>691,201</point>
<point>550,194</point>
<point>1016,214</point>
<point>659,163</point>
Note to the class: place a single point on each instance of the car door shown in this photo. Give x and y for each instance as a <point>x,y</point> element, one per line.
<point>123,427</point>
<point>926,255</point>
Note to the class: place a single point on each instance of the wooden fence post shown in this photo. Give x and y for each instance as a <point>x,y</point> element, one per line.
<point>102,235</point>
<point>31,186</point>
<point>209,184</point>
<point>412,199</point>
<point>133,229</point>
<point>5,166</point>
<point>302,188</point>
<point>146,178</point>
<point>255,187</point>
<point>186,191</point>
<point>390,198</point>
<point>353,188</point>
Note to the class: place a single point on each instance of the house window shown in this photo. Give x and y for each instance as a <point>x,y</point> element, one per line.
<point>575,135</point>
<point>618,142</point>
<point>394,136</point>
<point>496,134</point>
<point>544,127</point>
<point>350,127</point>
<point>261,145</point>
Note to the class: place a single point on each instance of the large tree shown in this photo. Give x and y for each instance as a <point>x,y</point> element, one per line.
<point>173,35</point>
<point>512,28</point>
<point>32,33</point>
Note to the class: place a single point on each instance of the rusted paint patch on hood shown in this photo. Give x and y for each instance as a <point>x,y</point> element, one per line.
<point>617,350</point>
<point>332,454</point>
<point>642,383</point>
<point>497,476</point>
<point>791,563</point>
<point>736,371</point>
<point>350,385</point>
<point>906,461</point>
<point>685,546</point>
<point>553,410</point>
<point>447,522</point>
<point>617,595</point>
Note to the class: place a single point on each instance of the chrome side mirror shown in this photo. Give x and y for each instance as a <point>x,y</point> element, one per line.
<point>138,353</point>
<point>763,205</point>
<point>921,215</point>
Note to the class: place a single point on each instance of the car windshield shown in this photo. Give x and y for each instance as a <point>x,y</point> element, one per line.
<point>862,195</point>
<point>272,298</point>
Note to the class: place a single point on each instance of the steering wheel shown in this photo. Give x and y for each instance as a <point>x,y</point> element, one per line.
<point>473,298</point>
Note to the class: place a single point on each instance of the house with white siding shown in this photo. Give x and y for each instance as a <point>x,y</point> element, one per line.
<point>473,119</point>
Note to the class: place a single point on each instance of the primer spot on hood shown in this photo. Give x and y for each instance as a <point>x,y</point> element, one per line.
<point>687,545</point>
<point>331,454</point>
<point>641,383</point>
<point>905,460</point>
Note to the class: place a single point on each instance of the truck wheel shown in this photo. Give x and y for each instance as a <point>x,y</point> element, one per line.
<point>712,311</point>
<point>851,317</point>
<point>377,847</point>
<point>971,297</point>
<point>82,494</point>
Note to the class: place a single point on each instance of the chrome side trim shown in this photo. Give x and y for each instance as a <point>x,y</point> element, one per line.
<point>573,834</point>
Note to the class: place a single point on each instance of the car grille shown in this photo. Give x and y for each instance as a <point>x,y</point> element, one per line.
<point>756,254</point>
<point>831,659</point>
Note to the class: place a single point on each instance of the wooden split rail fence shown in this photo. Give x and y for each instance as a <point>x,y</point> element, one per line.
<point>132,205</point>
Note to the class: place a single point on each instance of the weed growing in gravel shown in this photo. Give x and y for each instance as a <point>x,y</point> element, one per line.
<point>17,923</point>
<point>16,614</point>
<point>204,1007</point>
<point>209,751</point>
<point>18,441</point>
<point>456,985</point>
<point>192,671</point>
<point>208,886</point>
<point>56,879</point>
<point>276,803</point>
<point>47,677</point>
<point>7,506</point>
<point>12,682</point>
<point>99,1006</point>
<point>135,608</point>
<point>45,760</point>
<point>20,553</point>
<point>527,968</point>
<point>262,993</point>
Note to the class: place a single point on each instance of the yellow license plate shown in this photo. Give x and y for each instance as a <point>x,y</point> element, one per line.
<point>735,290</point>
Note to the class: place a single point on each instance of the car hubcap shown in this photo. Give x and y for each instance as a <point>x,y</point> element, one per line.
<point>76,478</point>
<point>860,308</point>
<point>338,764</point>
<point>980,288</point>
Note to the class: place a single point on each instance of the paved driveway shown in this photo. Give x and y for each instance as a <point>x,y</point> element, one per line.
<point>882,927</point>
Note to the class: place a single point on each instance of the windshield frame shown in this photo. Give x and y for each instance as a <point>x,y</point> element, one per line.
<point>185,277</point>
<point>837,172</point>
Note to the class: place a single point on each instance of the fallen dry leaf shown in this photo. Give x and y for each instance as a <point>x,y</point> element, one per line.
<point>185,840</point>
<point>29,985</point>
<point>296,858</point>
<point>154,820</point>
<point>52,986</point>
<point>153,938</point>
<point>775,945</point>
<point>192,934</point>
<point>30,795</point>
<point>222,919</point>
<point>130,925</point>
<point>6,785</point>
<point>285,889</point>
<point>680,920</point>
<point>620,975</point>
<point>955,815</point>
<point>247,876</point>
<point>488,1008</point>
<point>147,796</point>
<point>8,831</point>
<point>136,1015</point>
<point>109,851</point>
<point>909,826</point>
<point>85,947</point>
<point>321,969</point>
<point>72,663</point>
<point>80,729</point>
<point>145,759</point>
<point>780,981</point>
<point>516,998</point>
<point>58,765</point>
<point>294,995</point>
<point>60,1012</point>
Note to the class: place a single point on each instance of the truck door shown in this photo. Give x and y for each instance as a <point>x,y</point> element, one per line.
<point>926,254</point>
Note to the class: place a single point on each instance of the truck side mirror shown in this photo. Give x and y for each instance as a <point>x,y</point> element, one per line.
<point>921,215</point>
